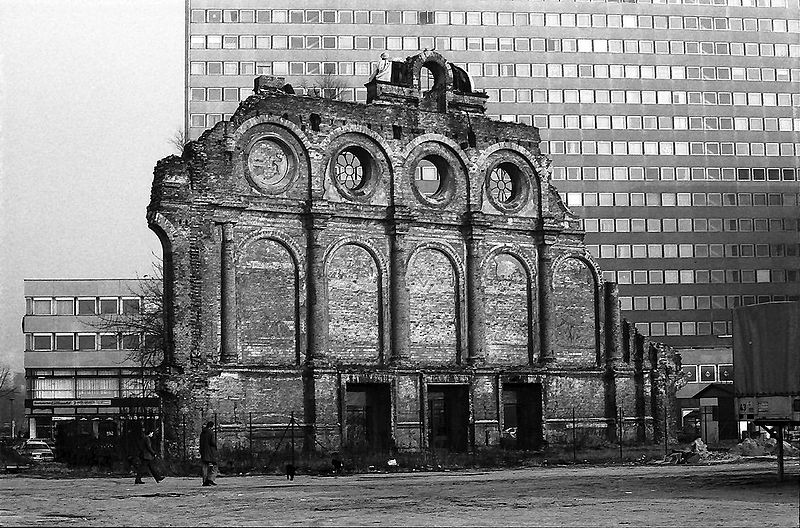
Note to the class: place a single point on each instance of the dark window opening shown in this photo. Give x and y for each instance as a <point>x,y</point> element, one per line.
<point>448,417</point>
<point>522,416</point>
<point>86,307</point>
<point>367,424</point>
<point>130,306</point>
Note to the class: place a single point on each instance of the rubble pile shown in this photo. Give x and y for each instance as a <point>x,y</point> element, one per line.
<point>749,447</point>
<point>762,447</point>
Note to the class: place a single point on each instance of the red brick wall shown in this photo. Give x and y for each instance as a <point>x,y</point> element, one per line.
<point>574,312</point>
<point>432,289</point>
<point>265,283</point>
<point>353,325</point>
<point>506,304</point>
<point>270,398</point>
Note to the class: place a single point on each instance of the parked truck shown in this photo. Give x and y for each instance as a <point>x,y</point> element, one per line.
<point>766,364</point>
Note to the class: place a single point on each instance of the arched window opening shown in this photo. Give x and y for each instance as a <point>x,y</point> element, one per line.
<point>432,84</point>
<point>427,80</point>
<point>427,178</point>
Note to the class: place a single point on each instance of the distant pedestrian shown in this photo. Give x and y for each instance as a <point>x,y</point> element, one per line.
<point>291,470</point>
<point>208,454</point>
<point>146,458</point>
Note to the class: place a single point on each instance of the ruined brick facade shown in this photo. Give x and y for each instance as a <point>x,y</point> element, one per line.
<point>399,275</point>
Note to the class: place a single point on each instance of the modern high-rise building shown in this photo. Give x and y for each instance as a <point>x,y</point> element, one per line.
<point>674,126</point>
<point>89,357</point>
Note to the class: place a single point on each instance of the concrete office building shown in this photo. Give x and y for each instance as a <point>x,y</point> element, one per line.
<point>81,360</point>
<point>673,125</point>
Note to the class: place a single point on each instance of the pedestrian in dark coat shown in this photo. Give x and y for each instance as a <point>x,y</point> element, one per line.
<point>208,454</point>
<point>146,458</point>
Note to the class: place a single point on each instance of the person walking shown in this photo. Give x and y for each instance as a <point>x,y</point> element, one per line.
<point>146,458</point>
<point>208,454</point>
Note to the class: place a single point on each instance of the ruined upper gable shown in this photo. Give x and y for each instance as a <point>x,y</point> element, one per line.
<point>295,150</point>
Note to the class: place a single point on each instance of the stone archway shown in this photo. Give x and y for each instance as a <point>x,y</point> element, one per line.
<point>432,76</point>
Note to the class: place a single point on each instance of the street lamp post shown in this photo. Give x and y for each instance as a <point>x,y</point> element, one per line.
<point>666,407</point>
<point>11,417</point>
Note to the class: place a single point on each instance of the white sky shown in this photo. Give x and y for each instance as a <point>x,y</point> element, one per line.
<point>90,93</point>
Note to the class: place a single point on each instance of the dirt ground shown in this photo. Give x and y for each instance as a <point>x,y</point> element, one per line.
<point>741,494</point>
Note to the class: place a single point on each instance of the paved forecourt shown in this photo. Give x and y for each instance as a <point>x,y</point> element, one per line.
<point>745,494</point>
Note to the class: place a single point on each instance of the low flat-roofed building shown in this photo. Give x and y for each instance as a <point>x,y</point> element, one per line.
<point>89,356</point>
<point>707,399</point>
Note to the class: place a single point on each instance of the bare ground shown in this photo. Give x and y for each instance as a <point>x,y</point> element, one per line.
<point>742,494</point>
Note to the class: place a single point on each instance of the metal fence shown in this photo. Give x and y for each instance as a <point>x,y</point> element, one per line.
<point>269,443</point>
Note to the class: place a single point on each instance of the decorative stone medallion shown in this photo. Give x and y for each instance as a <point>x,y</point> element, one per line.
<point>269,165</point>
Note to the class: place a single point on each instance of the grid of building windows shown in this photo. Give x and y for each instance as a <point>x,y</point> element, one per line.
<point>633,173</point>
<point>128,305</point>
<point>538,45</point>
<point>659,104</point>
<point>68,341</point>
<point>722,373</point>
<point>90,383</point>
<point>503,18</point>
<point>496,69</point>
<point>660,251</point>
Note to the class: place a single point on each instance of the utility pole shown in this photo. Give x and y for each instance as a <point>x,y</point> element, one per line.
<point>292,425</point>
<point>666,397</point>
<point>621,432</point>
<point>11,416</point>
<point>574,428</point>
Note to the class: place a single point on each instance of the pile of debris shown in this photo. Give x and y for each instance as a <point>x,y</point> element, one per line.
<point>763,446</point>
<point>697,451</point>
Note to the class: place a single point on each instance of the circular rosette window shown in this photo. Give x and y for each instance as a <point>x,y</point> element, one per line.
<point>435,171</point>
<point>354,172</point>
<point>507,186</point>
<point>270,165</point>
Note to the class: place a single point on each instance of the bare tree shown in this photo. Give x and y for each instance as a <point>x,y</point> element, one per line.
<point>147,321</point>
<point>7,385</point>
<point>178,141</point>
<point>326,86</point>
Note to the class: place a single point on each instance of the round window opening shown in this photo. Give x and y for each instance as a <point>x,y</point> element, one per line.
<point>268,163</point>
<point>428,179</point>
<point>503,187</point>
<point>352,169</point>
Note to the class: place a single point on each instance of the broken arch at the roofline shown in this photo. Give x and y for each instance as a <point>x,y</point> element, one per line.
<point>396,80</point>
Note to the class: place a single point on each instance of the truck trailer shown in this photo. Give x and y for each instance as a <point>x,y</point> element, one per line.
<point>766,363</point>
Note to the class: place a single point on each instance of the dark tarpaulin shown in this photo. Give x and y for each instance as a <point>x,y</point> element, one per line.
<point>766,349</point>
